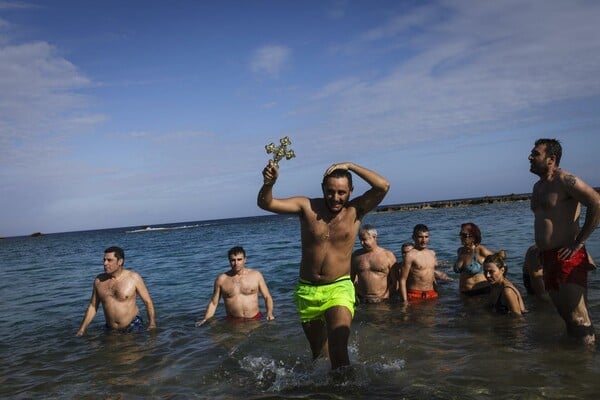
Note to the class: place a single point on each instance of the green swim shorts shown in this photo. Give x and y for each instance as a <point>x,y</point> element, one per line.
<point>312,300</point>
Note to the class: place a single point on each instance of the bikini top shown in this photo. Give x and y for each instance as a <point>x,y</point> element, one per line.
<point>473,268</point>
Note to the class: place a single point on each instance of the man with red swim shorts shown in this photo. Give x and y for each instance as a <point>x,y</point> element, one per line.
<point>556,204</point>
<point>239,287</point>
<point>417,273</point>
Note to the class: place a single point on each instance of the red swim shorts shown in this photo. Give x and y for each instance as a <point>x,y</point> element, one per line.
<point>421,294</point>
<point>241,319</point>
<point>557,271</point>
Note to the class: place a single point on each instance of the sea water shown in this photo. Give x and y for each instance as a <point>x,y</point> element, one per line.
<point>451,348</point>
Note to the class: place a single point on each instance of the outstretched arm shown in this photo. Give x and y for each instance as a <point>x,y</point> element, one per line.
<point>212,304</point>
<point>264,291</point>
<point>90,312</point>
<point>404,271</point>
<point>145,296</point>
<point>379,185</point>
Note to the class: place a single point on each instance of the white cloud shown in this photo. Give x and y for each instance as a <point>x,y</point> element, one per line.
<point>270,60</point>
<point>40,98</point>
<point>475,66</point>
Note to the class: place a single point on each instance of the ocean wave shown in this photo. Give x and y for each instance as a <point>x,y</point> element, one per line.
<point>163,228</point>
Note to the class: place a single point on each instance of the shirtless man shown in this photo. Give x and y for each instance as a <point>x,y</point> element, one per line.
<point>324,295</point>
<point>556,204</point>
<point>439,275</point>
<point>372,268</point>
<point>239,287</point>
<point>117,289</point>
<point>417,274</point>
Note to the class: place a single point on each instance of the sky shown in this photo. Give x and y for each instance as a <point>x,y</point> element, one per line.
<point>135,113</point>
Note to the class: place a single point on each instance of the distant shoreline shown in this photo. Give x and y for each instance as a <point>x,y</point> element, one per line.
<point>472,201</point>
<point>428,205</point>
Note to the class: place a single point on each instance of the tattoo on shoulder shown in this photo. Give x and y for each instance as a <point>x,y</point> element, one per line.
<point>570,180</point>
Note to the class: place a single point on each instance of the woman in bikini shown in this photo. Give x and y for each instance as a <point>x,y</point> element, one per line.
<point>469,261</point>
<point>505,298</point>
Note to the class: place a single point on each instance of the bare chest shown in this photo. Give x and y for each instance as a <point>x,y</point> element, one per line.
<point>236,286</point>
<point>117,290</point>
<point>373,263</point>
<point>340,228</point>
<point>544,198</point>
<point>424,262</point>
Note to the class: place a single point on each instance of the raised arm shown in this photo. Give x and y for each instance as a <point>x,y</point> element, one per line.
<point>140,286</point>
<point>372,197</point>
<point>90,312</point>
<point>212,304</point>
<point>265,199</point>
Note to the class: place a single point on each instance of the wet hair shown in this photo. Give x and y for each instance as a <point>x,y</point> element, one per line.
<point>370,229</point>
<point>119,252</point>
<point>420,228</point>
<point>339,173</point>
<point>473,229</point>
<point>236,250</point>
<point>499,259</point>
<point>405,245</point>
<point>553,148</point>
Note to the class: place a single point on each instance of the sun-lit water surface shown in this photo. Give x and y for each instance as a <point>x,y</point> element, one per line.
<point>452,348</point>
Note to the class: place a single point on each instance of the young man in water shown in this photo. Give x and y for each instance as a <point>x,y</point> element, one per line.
<point>117,289</point>
<point>556,204</point>
<point>239,288</point>
<point>372,267</point>
<point>417,274</point>
<point>325,295</point>
<point>439,275</point>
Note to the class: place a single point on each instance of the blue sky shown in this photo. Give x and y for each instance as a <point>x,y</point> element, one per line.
<point>122,113</point>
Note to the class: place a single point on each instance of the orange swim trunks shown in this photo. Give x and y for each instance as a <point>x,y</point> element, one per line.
<point>557,271</point>
<point>421,294</point>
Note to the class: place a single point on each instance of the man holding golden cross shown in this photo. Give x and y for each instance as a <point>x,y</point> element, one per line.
<point>324,294</point>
